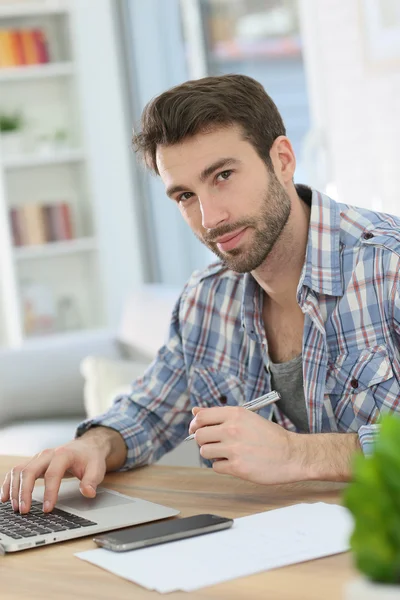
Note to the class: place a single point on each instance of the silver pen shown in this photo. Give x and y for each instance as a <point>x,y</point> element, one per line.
<point>253,405</point>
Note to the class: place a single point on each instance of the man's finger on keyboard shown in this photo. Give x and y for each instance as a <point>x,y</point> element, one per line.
<point>5,488</point>
<point>34,469</point>
<point>14,486</point>
<point>61,462</point>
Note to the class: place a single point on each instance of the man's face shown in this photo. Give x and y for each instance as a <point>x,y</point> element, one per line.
<point>233,203</point>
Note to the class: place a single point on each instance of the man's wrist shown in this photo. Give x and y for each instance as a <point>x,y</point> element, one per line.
<point>111,442</point>
<point>326,456</point>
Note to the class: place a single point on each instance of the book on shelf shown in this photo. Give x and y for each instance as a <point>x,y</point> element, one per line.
<point>35,224</point>
<point>19,47</point>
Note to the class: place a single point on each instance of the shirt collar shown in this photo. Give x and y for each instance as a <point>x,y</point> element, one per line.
<point>321,271</point>
<point>252,303</point>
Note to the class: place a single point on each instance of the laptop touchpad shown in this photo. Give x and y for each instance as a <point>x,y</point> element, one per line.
<point>101,501</point>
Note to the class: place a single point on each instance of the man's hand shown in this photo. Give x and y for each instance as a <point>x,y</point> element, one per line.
<point>87,458</point>
<point>246,445</point>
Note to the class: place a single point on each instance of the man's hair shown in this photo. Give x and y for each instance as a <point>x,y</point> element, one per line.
<point>203,105</point>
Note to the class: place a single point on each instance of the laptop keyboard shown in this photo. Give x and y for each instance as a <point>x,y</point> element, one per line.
<point>36,522</point>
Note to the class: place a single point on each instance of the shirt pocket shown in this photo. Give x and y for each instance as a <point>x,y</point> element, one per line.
<point>361,386</point>
<point>209,386</point>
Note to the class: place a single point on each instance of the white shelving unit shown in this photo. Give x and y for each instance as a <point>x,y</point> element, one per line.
<point>53,249</point>
<point>30,7</point>
<point>37,160</point>
<point>74,92</point>
<point>45,71</point>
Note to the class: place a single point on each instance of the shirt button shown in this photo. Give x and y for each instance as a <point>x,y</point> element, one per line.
<point>354,383</point>
<point>223,399</point>
<point>368,235</point>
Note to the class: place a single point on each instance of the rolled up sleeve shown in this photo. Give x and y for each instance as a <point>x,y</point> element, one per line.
<point>154,417</point>
<point>367,435</point>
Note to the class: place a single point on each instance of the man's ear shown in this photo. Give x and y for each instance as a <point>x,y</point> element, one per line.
<point>283,159</point>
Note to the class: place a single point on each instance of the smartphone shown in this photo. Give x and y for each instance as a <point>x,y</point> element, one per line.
<point>141,536</point>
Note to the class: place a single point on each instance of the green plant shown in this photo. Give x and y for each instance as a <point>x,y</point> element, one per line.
<point>374,500</point>
<point>10,122</point>
<point>60,135</point>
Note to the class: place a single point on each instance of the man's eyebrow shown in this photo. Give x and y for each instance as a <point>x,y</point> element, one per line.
<point>218,164</point>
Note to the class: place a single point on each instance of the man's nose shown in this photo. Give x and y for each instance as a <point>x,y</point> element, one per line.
<point>213,212</point>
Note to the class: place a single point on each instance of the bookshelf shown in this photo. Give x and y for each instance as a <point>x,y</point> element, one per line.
<point>53,249</point>
<point>59,171</point>
<point>30,8</point>
<point>37,160</point>
<point>36,72</point>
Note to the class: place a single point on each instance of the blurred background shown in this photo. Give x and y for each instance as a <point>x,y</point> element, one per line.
<point>90,247</point>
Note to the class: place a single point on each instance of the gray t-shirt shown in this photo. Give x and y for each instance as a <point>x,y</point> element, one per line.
<point>287,379</point>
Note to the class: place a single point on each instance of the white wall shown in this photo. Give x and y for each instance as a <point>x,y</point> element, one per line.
<point>107,129</point>
<point>355,103</point>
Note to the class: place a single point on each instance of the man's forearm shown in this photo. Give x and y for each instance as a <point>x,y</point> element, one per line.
<point>113,444</point>
<point>327,456</point>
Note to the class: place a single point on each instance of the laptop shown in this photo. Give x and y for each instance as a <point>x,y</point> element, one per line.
<point>74,516</point>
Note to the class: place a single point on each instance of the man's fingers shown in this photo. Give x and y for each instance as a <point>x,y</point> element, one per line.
<point>31,471</point>
<point>14,485</point>
<point>92,477</point>
<point>75,459</point>
<point>5,488</point>
<point>61,461</point>
<point>208,435</point>
<point>213,416</point>
<point>223,467</point>
<point>214,451</point>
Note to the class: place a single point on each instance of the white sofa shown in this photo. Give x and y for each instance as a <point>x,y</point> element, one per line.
<point>50,385</point>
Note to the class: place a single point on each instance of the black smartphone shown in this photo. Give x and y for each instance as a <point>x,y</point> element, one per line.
<point>141,536</point>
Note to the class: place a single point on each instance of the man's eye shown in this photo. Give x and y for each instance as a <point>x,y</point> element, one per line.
<point>224,174</point>
<point>185,196</point>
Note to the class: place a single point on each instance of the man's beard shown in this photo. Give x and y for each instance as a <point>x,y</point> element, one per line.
<point>267,228</point>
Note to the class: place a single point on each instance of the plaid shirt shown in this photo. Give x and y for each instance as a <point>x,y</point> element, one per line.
<point>216,352</point>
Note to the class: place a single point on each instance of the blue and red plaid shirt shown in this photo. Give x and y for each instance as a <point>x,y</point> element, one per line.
<point>216,352</point>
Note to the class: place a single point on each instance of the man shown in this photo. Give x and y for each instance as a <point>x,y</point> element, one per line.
<point>305,299</point>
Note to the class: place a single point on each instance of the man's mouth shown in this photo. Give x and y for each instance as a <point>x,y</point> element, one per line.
<point>230,240</point>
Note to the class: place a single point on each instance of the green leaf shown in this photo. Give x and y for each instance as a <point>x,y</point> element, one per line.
<point>373,498</point>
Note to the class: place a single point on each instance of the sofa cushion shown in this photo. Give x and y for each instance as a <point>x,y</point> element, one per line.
<point>146,317</point>
<point>41,379</point>
<point>105,379</point>
<point>30,437</point>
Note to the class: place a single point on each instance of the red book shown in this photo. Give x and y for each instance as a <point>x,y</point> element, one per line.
<point>15,219</point>
<point>66,221</point>
<point>17,47</point>
<point>57,223</point>
<point>40,41</point>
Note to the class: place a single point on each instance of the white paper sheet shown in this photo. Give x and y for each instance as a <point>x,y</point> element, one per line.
<point>256,543</point>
